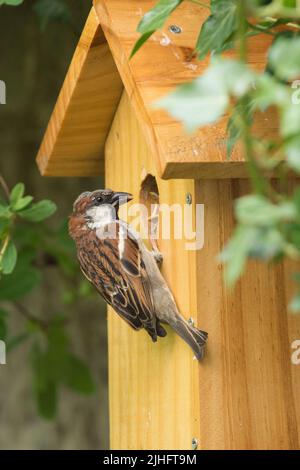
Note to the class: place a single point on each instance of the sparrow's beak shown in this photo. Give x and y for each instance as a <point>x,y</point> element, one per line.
<point>121,198</point>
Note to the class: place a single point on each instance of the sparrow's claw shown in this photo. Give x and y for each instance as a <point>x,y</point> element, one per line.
<point>157,256</point>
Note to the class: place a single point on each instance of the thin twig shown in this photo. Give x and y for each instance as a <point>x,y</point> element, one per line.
<point>293,25</point>
<point>261,29</point>
<point>29,316</point>
<point>43,324</point>
<point>258,182</point>
<point>4,186</point>
<point>4,245</point>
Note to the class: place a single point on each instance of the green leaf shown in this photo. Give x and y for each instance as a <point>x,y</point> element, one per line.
<point>234,133</point>
<point>260,233</point>
<point>268,23</point>
<point>238,78</point>
<point>197,103</point>
<point>153,20</point>
<point>290,119</point>
<point>9,258</point>
<point>56,355</point>
<point>206,99</point>
<point>277,8</point>
<point>296,199</point>
<point>22,281</point>
<point>291,232</point>
<point>3,313</point>
<point>156,17</point>
<point>235,253</point>
<point>44,387</point>
<point>16,193</point>
<point>292,149</point>
<point>16,341</point>
<point>11,2</point>
<point>269,92</point>
<point>22,203</point>
<point>51,10</point>
<point>47,401</point>
<point>296,277</point>
<point>284,57</point>
<point>4,228</point>
<point>57,336</point>
<point>85,289</point>
<point>140,42</point>
<point>259,211</point>
<point>265,243</point>
<point>5,212</point>
<point>269,244</point>
<point>234,128</point>
<point>62,248</point>
<point>3,326</point>
<point>78,377</point>
<point>29,236</point>
<point>217,28</point>
<point>39,211</point>
<point>294,305</point>
<point>3,329</point>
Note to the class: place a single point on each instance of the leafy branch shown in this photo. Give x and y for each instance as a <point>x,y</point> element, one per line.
<point>268,220</point>
<point>27,247</point>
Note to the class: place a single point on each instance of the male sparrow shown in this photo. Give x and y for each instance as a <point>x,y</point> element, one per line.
<point>116,261</point>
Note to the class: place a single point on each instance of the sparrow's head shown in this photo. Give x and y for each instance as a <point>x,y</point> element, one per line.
<point>100,204</point>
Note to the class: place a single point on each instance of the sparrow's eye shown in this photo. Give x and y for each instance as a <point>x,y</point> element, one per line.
<point>97,200</point>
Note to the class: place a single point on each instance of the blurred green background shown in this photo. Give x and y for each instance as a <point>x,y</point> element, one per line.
<point>37,40</point>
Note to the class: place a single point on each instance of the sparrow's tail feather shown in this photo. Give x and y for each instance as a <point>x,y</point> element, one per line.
<point>195,338</point>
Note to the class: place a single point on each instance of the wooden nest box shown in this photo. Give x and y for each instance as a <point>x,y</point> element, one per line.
<point>244,394</point>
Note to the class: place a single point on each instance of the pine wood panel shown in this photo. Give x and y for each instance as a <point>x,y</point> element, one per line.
<point>73,144</point>
<point>248,386</point>
<point>244,395</point>
<point>165,61</point>
<point>153,388</point>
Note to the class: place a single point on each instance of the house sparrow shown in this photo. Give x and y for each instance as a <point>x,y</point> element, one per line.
<point>117,262</point>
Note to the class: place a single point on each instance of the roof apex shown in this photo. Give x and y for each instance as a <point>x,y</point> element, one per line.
<point>74,142</point>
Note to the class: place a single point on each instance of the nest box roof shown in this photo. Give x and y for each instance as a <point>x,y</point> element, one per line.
<point>74,142</point>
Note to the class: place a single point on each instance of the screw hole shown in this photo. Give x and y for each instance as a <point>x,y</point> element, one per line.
<point>175,29</point>
<point>194,443</point>
<point>188,199</point>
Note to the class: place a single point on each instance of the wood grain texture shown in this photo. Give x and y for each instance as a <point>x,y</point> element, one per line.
<point>244,394</point>
<point>248,386</point>
<point>153,391</point>
<point>167,60</point>
<point>73,144</point>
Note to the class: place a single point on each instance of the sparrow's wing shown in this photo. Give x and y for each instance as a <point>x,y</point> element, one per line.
<point>114,265</point>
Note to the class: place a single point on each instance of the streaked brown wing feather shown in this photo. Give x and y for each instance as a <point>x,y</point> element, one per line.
<point>121,280</point>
